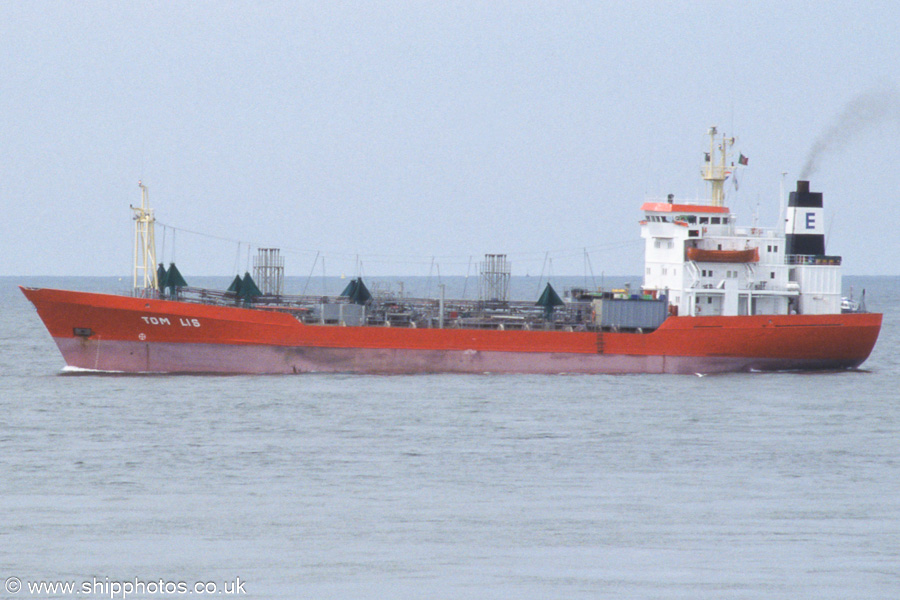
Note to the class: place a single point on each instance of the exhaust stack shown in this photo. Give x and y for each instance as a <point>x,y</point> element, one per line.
<point>805,234</point>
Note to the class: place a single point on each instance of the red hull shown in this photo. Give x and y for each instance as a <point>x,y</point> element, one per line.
<point>139,335</point>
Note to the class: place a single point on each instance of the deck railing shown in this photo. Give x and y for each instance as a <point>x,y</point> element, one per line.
<point>808,259</point>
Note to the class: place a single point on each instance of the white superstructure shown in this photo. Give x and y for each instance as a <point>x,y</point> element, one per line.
<point>697,255</point>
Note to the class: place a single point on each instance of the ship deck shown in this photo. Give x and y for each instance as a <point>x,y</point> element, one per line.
<point>393,310</point>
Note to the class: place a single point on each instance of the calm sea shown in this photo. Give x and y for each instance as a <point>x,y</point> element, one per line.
<point>775,486</point>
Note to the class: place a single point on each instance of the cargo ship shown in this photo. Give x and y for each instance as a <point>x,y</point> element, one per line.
<point>716,297</point>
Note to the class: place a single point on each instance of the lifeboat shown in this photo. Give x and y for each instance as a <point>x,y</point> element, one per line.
<point>750,255</point>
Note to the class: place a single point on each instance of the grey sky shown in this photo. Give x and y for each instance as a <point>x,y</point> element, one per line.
<point>399,131</point>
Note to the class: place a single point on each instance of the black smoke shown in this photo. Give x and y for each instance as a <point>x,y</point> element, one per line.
<point>859,116</point>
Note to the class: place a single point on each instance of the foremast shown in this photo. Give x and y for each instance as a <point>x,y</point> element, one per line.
<point>717,172</point>
<point>145,276</point>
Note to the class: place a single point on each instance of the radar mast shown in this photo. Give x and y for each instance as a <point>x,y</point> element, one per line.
<point>717,172</point>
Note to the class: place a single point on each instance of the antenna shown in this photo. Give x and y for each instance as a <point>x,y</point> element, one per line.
<point>781,216</point>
